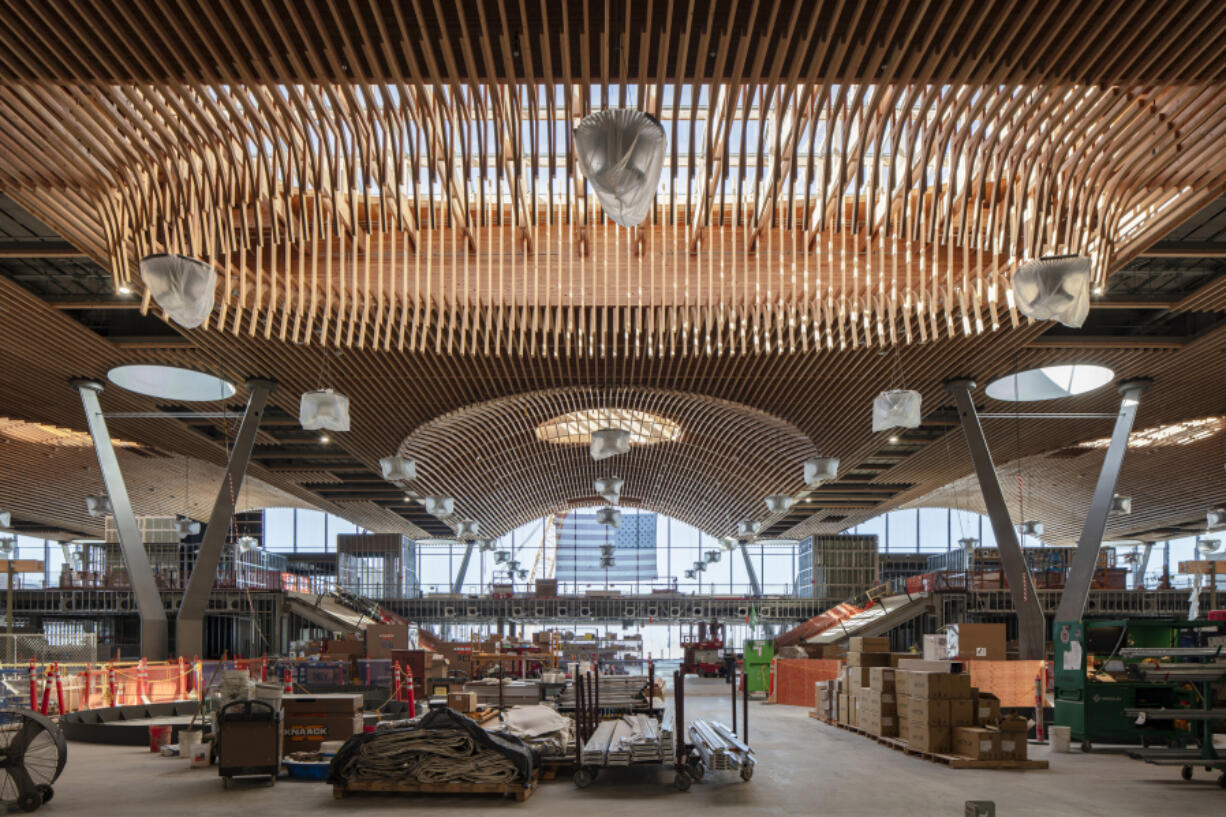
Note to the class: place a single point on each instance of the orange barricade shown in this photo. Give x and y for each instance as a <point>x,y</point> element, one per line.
<point>795,677</point>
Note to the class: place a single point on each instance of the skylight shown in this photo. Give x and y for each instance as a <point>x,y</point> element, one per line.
<point>576,427</point>
<point>1049,383</point>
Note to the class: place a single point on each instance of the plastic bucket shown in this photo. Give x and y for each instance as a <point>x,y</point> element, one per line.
<point>159,736</point>
<point>188,738</point>
<point>329,748</point>
<point>200,755</point>
<point>1061,737</point>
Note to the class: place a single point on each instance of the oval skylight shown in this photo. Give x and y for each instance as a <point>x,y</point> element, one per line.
<point>576,427</point>
<point>170,383</point>
<point>1049,383</point>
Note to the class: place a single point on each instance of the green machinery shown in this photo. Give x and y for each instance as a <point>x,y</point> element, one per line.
<point>758,657</point>
<point>1101,675</point>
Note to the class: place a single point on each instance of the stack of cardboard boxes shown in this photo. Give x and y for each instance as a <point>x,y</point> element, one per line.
<point>864,694</point>
<point>931,705</point>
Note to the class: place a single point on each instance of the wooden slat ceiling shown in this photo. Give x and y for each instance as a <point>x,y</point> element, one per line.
<point>390,195</point>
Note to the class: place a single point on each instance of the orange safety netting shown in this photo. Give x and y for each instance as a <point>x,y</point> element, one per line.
<point>795,677</point>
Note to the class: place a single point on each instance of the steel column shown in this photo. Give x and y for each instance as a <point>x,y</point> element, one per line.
<point>189,626</point>
<point>154,631</point>
<point>1032,627</point>
<point>754,584</point>
<point>458,582</point>
<point>1085,558</point>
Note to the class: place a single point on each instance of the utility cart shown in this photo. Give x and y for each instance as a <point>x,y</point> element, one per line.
<point>248,741</point>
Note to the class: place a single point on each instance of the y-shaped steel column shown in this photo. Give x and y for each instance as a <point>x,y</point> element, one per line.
<point>457,583</point>
<point>189,626</point>
<point>1031,626</point>
<point>1085,558</point>
<point>154,631</point>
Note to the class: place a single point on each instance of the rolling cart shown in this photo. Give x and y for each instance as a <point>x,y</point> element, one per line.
<point>248,741</point>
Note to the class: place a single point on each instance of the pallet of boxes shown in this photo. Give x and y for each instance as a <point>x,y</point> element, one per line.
<point>927,708</point>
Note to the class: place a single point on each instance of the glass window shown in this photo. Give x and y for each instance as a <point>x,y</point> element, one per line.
<point>279,529</point>
<point>934,530</point>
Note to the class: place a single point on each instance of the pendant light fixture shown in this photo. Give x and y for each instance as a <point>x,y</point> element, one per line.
<point>324,409</point>
<point>609,442</point>
<point>1055,288</point>
<point>398,469</point>
<point>439,506</point>
<point>821,469</point>
<point>897,408</point>
<point>183,287</point>
<point>779,503</point>
<point>621,152</point>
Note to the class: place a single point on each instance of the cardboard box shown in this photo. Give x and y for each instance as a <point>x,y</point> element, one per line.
<point>927,711</point>
<point>462,701</point>
<point>857,676</point>
<point>987,709</point>
<point>934,647</point>
<point>868,644</point>
<point>920,665</point>
<point>969,641</point>
<point>309,720</point>
<point>832,652</point>
<point>881,679</point>
<point>976,743</point>
<point>961,712</point>
<point>878,723</point>
<point>926,738</point>
<point>844,708</point>
<point>897,658</point>
<point>1013,731</point>
<point>932,684</point>
<point>381,639</point>
<point>347,647</point>
<point>868,659</point>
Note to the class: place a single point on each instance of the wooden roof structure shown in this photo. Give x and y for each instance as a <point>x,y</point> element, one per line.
<point>391,198</point>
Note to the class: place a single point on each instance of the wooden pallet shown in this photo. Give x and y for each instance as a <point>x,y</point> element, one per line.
<point>520,792</point>
<point>952,761</point>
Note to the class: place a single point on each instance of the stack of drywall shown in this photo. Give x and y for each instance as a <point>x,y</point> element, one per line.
<point>514,693</point>
<point>931,705</point>
<point>624,692</point>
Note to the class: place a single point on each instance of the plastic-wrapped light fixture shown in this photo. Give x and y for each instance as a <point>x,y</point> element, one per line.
<point>748,528</point>
<point>181,286</point>
<point>469,528</point>
<point>98,505</point>
<point>185,527</point>
<point>1215,518</point>
<point>609,516</point>
<point>779,503</point>
<point>606,561</point>
<point>6,519</point>
<point>609,442</point>
<point>700,566</point>
<point>439,506</point>
<point>486,545</point>
<point>398,469</point>
<point>501,556</point>
<point>621,152</point>
<point>821,469</point>
<point>896,408</point>
<point>690,574</point>
<point>246,544</point>
<point>1208,547</point>
<point>609,489</point>
<point>8,546</point>
<point>1121,504</point>
<point>607,550</point>
<point>728,542</point>
<point>712,556</point>
<point>1032,528</point>
<point>523,575</point>
<point>324,409</point>
<point>968,542</point>
<point>1056,288</point>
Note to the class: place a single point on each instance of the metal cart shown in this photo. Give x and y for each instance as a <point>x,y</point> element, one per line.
<point>248,741</point>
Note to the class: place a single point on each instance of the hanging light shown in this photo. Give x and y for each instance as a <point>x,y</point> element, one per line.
<point>968,542</point>
<point>607,550</point>
<point>398,469</point>
<point>748,528</point>
<point>609,516</point>
<point>606,561</point>
<point>779,503</point>
<point>512,566</point>
<point>523,575</point>
<point>1121,504</point>
<point>609,442</point>
<point>486,545</point>
<point>6,519</point>
<point>468,528</point>
<point>691,574</point>
<point>1208,547</point>
<point>501,557</point>
<point>1032,528</point>
<point>621,152</point>
<point>183,287</point>
<point>185,527</point>
<point>439,506</point>
<point>897,408</point>
<point>609,489</point>
<point>728,542</point>
<point>324,409</point>
<point>700,566</point>
<point>1054,288</point>
<point>1215,518</point>
<point>8,546</point>
<point>246,544</point>
<point>712,556</point>
<point>821,469</point>
<point>99,505</point>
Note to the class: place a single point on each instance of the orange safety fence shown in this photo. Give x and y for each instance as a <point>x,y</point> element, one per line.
<point>795,677</point>
<point>57,688</point>
<point>1010,681</point>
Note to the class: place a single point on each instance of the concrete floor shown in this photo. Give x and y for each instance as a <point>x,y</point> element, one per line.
<point>804,767</point>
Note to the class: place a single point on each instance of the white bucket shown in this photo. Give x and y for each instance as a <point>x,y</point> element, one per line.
<point>1061,737</point>
<point>200,755</point>
<point>188,738</point>
<point>329,748</point>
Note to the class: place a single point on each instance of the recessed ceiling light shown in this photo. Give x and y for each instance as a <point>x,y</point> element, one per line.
<point>124,290</point>
<point>894,438</point>
<point>1049,382</point>
<point>325,439</point>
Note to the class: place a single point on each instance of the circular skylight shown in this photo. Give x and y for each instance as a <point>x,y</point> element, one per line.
<point>576,427</point>
<point>1049,383</point>
<point>170,383</point>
